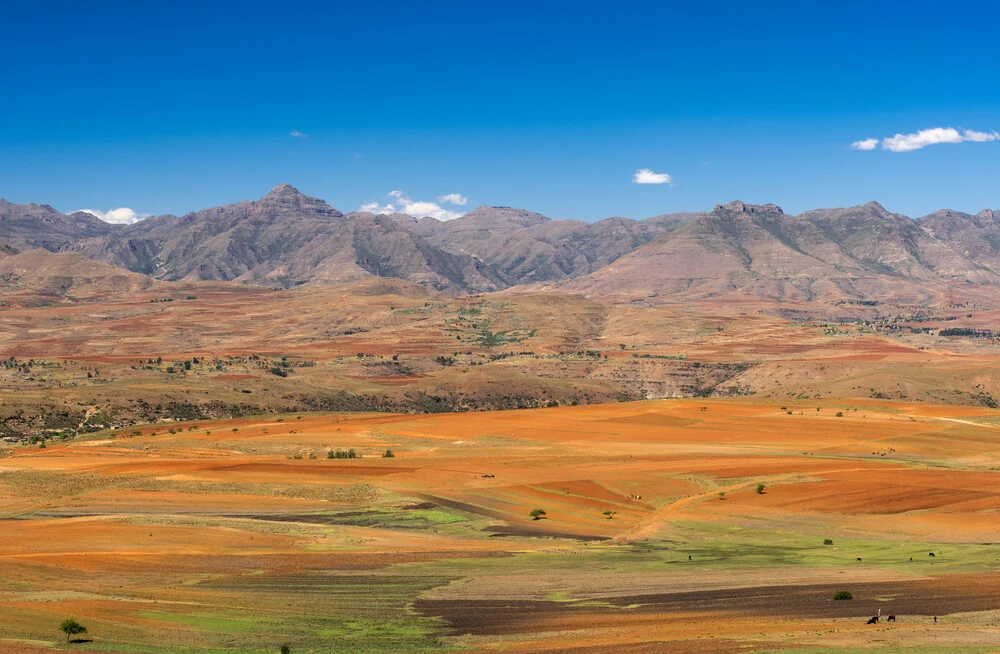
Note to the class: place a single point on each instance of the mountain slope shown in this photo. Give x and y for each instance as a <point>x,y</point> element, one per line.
<point>742,250</point>
<point>284,238</point>
<point>42,274</point>
<point>26,226</point>
<point>977,236</point>
<point>528,247</point>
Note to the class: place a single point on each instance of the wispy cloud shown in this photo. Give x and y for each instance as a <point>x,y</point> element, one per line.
<point>119,216</point>
<point>453,198</point>
<point>297,134</point>
<point>925,137</point>
<point>402,203</point>
<point>647,176</point>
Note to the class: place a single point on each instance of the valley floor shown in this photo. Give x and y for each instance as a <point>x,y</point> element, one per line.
<point>245,534</point>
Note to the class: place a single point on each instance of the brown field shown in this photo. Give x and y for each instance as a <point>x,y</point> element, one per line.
<point>219,351</point>
<point>240,534</point>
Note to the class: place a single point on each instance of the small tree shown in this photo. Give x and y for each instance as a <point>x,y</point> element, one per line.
<point>388,454</point>
<point>760,489</point>
<point>843,595</point>
<point>610,514</point>
<point>537,514</point>
<point>71,628</point>
<point>285,649</point>
<point>722,495</point>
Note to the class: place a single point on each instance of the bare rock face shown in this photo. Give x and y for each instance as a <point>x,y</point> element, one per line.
<point>286,199</point>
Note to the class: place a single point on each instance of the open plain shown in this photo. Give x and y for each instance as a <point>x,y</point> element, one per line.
<point>245,534</point>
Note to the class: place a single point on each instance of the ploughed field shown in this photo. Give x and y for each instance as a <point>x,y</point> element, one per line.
<point>246,534</point>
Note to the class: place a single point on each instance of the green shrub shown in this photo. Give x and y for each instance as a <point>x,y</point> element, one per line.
<point>843,595</point>
<point>827,541</point>
<point>388,454</point>
<point>760,489</point>
<point>537,514</point>
<point>71,628</point>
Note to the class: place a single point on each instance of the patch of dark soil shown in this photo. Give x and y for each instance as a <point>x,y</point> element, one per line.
<point>514,530</point>
<point>937,596</point>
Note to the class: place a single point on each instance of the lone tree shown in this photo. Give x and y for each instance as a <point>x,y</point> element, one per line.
<point>71,628</point>
<point>760,489</point>
<point>537,514</point>
<point>843,595</point>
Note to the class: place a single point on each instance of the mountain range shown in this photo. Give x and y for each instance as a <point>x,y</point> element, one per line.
<point>736,250</point>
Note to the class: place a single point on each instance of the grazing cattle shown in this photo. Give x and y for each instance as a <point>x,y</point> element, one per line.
<point>891,618</point>
<point>930,554</point>
<point>872,620</point>
<point>859,558</point>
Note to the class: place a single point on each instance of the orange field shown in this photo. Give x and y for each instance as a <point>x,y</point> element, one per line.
<point>242,535</point>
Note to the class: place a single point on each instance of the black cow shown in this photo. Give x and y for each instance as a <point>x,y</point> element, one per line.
<point>891,618</point>
<point>872,620</point>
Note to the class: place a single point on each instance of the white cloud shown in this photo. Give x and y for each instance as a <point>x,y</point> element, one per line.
<point>866,144</point>
<point>925,137</point>
<point>647,176</point>
<point>119,216</point>
<point>453,198</point>
<point>402,203</point>
<point>980,137</point>
<point>375,207</point>
<point>297,134</point>
<point>921,139</point>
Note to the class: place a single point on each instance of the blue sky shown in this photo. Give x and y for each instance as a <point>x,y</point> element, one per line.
<point>172,107</point>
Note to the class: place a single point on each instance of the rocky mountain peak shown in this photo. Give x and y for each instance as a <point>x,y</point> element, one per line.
<point>877,209</point>
<point>284,191</point>
<point>738,206</point>
<point>987,216</point>
<point>287,198</point>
